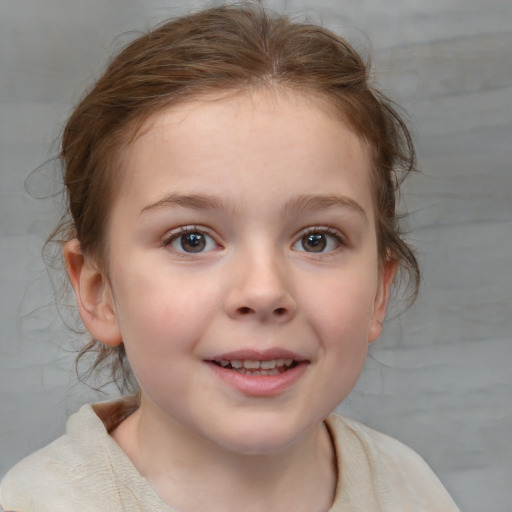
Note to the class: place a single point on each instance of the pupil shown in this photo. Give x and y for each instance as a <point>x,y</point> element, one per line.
<point>314,242</point>
<point>193,242</point>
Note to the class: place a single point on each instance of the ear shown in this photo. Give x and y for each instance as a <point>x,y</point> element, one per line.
<point>387,274</point>
<point>93,295</point>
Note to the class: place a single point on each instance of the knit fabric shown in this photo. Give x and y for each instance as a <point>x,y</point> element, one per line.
<point>86,470</point>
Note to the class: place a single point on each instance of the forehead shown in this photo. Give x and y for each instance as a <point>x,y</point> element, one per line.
<point>239,140</point>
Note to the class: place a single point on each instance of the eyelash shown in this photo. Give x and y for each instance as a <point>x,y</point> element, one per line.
<point>322,230</point>
<point>184,230</point>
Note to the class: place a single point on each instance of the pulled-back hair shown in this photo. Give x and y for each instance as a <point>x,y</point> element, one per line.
<point>224,49</point>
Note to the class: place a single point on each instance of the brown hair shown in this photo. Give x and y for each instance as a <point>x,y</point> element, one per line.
<point>225,49</point>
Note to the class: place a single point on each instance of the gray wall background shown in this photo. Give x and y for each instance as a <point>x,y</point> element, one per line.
<point>440,378</point>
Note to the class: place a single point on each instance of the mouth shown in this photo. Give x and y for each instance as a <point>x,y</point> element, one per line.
<point>259,373</point>
<point>256,367</point>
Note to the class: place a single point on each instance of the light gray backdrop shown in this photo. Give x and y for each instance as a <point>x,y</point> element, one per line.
<point>440,378</point>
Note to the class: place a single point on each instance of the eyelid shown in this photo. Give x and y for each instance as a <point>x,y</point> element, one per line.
<point>176,233</point>
<point>326,230</point>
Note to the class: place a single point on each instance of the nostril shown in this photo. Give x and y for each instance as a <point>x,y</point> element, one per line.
<point>244,310</point>
<point>280,311</point>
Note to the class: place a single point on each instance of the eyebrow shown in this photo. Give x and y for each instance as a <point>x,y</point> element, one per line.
<point>306,202</point>
<point>192,202</point>
<point>323,202</point>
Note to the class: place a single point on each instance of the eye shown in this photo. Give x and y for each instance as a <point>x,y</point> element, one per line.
<point>318,240</point>
<point>191,240</point>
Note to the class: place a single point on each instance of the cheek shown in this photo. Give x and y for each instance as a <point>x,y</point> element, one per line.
<point>341,310</point>
<point>165,313</point>
<point>340,318</point>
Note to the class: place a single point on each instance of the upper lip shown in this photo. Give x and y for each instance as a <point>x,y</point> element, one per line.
<point>259,355</point>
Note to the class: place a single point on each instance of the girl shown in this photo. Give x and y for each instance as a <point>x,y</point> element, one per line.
<point>232,241</point>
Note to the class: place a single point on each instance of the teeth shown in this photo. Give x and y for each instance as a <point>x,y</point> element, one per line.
<point>261,371</point>
<point>250,364</point>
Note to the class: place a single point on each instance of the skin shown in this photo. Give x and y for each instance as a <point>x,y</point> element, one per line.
<point>200,442</point>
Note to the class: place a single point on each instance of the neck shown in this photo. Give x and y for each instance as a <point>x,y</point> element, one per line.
<point>192,473</point>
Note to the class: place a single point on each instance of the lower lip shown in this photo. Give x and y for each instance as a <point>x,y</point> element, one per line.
<point>260,385</point>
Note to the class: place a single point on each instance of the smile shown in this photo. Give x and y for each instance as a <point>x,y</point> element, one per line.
<point>255,367</point>
<point>258,373</point>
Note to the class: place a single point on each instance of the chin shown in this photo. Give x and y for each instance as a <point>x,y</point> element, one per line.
<point>261,439</point>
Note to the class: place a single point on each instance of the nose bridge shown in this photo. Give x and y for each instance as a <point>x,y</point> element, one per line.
<point>260,284</point>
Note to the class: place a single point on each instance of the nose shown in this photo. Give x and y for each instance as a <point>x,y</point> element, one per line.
<point>260,290</point>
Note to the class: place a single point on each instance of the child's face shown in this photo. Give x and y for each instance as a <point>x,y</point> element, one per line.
<point>244,231</point>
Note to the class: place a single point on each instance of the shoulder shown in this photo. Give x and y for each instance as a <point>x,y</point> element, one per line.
<point>36,475</point>
<point>393,474</point>
<point>76,468</point>
<point>374,444</point>
<point>45,476</point>
<point>83,470</point>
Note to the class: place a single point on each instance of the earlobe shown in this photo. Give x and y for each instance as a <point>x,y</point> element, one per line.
<point>386,278</point>
<point>93,295</point>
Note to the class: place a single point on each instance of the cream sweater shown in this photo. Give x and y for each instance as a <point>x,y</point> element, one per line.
<point>86,471</point>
